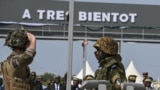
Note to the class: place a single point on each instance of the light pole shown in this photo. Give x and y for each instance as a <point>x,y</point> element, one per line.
<point>70,44</point>
<point>84,45</point>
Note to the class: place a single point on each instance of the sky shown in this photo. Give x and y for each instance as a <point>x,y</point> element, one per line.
<point>52,55</point>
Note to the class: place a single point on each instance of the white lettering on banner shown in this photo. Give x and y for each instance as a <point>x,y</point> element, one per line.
<point>107,17</point>
<point>26,14</point>
<point>115,15</point>
<point>97,16</point>
<point>133,15</point>
<point>84,16</point>
<point>41,12</point>
<point>51,15</point>
<point>90,15</point>
<point>60,15</point>
<point>124,17</point>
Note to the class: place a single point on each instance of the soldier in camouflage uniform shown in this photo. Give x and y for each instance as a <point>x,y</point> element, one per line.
<point>15,69</point>
<point>111,68</point>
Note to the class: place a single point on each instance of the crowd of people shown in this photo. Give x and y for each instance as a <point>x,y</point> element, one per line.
<point>17,76</point>
<point>147,80</point>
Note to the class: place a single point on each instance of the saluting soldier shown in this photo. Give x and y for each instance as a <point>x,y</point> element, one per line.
<point>15,69</point>
<point>111,67</point>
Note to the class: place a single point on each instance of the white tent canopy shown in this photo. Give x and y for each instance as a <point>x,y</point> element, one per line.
<point>89,71</point>
<point>131,69</point>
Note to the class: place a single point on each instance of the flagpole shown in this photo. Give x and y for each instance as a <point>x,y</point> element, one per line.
<point>84,45</point>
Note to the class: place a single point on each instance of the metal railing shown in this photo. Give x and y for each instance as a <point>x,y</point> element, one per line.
<point>90,32</point>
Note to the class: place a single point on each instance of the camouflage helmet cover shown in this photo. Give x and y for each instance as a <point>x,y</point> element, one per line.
<point>107,44</point>
<point>17,38</point>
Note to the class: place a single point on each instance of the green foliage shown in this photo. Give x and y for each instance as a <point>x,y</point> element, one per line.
<point>46,77</point>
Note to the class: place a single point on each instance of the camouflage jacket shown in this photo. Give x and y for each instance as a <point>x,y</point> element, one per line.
<point>111,70</point>
<point>15,70</point>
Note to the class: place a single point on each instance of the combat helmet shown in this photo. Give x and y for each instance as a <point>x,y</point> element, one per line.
<point>17,38</point>
<point>107,44</point>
